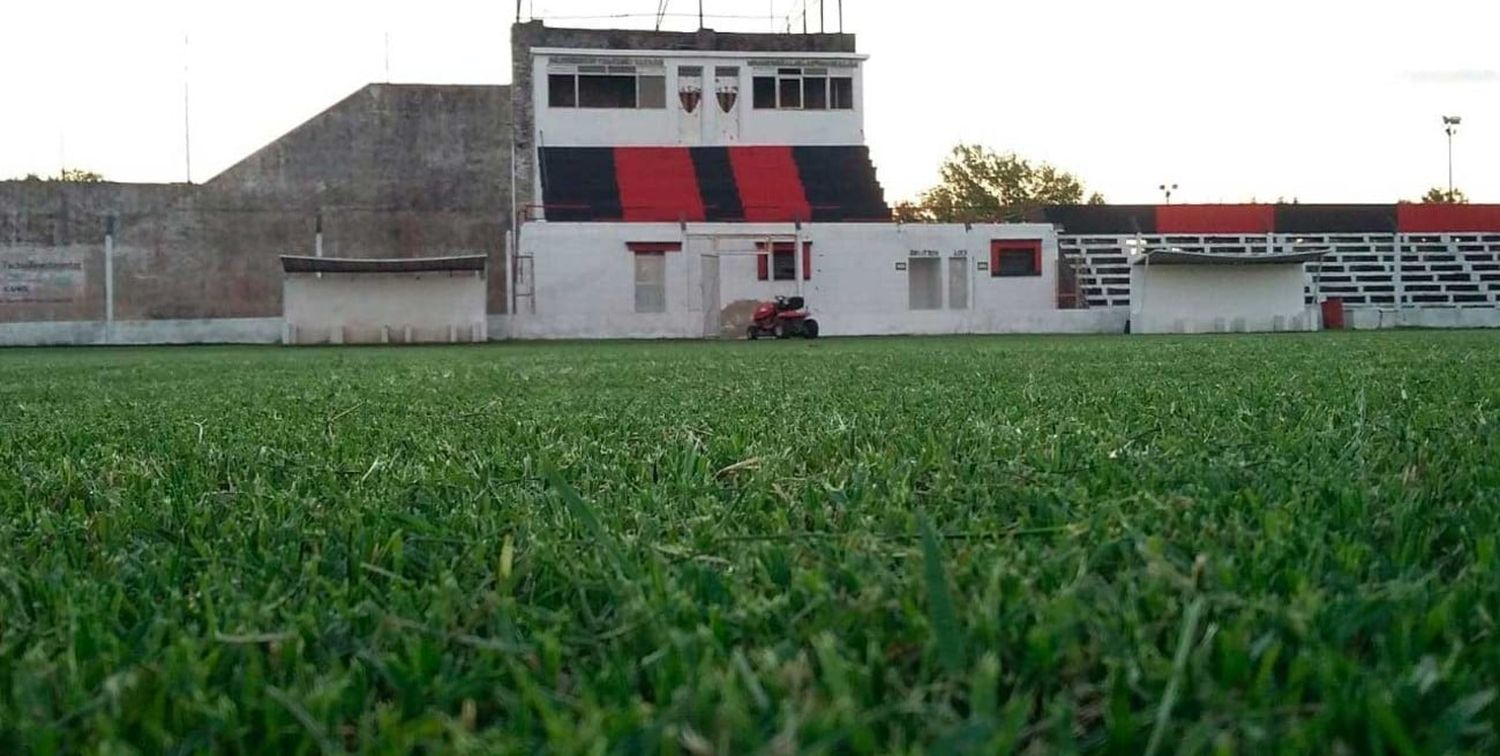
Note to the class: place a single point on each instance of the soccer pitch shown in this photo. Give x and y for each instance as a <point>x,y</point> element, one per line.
<point>970,544</point>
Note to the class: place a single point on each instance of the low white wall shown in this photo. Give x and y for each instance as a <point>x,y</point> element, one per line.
<point>86,332</point>
<point>374,308</point>
<point>584,281</point>
<point>1369,318</point>
<point>1218,298</point>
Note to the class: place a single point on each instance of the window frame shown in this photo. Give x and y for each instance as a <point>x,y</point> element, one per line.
<point>765,263</point>
<point>640,286</point>
<point>649,86</point>
<point>1001,248</point>
<point>834,102</point>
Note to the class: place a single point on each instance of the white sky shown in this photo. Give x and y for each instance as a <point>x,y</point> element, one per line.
<point>1322,100</point>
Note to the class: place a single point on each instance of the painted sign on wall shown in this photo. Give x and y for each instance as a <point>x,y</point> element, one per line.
<point>40,277</point>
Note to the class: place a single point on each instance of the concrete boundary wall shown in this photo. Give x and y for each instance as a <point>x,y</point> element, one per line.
<point>143,332</point>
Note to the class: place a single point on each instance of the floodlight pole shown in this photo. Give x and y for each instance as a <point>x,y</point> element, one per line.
<point>1167,189</point>
<point>1450,126</point>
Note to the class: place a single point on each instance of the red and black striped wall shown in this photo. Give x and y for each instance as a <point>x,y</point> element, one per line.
<point>1239,220</point>
<point>671,184</point>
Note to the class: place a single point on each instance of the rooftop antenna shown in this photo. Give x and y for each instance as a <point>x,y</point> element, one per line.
<point>387,57</point>
<point>661,12</point>
<point>518,10</point>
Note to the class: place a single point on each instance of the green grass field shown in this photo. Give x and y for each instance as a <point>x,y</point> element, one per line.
<point>968,544</point>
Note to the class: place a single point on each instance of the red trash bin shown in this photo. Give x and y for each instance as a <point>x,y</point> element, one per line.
<point>1333,314</point>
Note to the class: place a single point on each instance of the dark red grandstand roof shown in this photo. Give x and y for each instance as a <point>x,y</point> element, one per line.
<point>1249,219</point>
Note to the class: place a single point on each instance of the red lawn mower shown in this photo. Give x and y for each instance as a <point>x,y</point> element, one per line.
<point>785,318</point>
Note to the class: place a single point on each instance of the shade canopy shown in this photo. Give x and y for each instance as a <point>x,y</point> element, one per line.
<point>299,264</point>
<point>1180,257</point>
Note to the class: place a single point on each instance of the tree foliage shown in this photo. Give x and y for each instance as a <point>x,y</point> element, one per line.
<point>1440,196</point>
<point>979,185</point>
<point>69,176</point>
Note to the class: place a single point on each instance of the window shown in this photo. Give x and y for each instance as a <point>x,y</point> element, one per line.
<point>615,87</point>
<point>606,91</point>
<point>650,282</point>
<point>765,93</point>
<point>958,283</point>
<point>924,277</point>
<point>789,93</point>
<point>815,93</point>
<point>804,89</point>
<point>1014,258</point>
<point>841,92</point>
<point>562,91</point>
<point>781,264</point>
<point>653,92</point>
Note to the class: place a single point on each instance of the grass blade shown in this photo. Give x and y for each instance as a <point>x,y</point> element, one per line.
<point>940,602</point>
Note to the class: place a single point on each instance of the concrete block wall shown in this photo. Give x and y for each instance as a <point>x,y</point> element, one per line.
<point>391,171</point>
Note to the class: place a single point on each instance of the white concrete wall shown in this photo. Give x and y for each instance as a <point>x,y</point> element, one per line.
<point>708,125</point>
<point>1218,298</point>
<point>374,308</point>
<point>585,286</point>
<point>93,332</point>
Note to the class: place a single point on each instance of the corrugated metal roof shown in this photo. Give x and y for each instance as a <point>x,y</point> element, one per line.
<point>1179,257</point>
<point>299,264</point>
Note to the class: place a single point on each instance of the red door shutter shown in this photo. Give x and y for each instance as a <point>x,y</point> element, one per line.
<point>763,267</point>
<point>807,261</point>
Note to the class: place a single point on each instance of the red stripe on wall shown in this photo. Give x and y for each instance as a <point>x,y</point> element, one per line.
<point>770,184</point>
<point>1215,219</point>
<point>658,184</point>
<point>1437,219</point>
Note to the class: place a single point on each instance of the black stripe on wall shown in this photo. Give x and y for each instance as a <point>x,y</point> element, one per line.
<point>721,195</point>
<point>579,184</point>
<point>1315,219</point>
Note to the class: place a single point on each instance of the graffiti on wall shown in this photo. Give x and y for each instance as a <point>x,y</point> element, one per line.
<point>40,277</point>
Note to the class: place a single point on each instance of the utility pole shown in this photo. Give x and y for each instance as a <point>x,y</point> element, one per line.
<point>1450,125</point>
<point>187,114</point>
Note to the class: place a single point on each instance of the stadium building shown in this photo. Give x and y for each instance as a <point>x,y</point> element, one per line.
<point>659,185</point>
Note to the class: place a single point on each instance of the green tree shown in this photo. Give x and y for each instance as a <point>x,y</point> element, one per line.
<point>1440,196</point>
<point>69,176</point>
<point>979,185</point>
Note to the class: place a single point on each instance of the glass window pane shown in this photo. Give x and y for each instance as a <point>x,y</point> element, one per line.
<point>791,94</point>
<point>727,72</point>
<point>784,265</point>
<point>765,93</point>
<point>562,91</point>
<point>606,91</point>
<point>650,282</point>
<point>690,72</point>
<point>841,91</point>
<point>815,93</point>
<point>1017,262</point>
<point>653,92</point>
